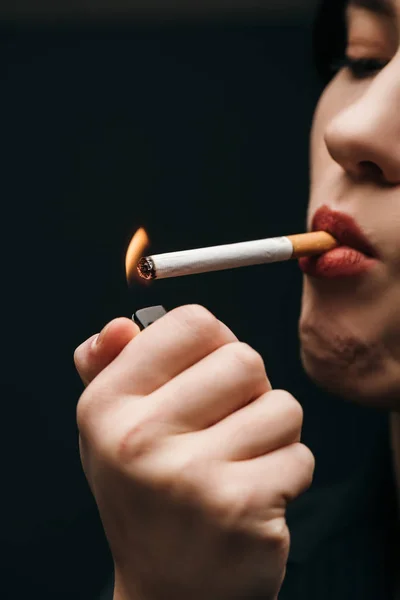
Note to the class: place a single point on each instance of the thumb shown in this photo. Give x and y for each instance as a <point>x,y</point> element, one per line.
<point>100,350</point>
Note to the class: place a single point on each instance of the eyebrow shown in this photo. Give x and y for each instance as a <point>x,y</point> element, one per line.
<point>380,7</point>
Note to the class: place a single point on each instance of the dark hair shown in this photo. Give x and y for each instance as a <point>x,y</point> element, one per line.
<point>329,40</point>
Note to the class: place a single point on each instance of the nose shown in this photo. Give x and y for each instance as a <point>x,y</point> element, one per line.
<point>364,138</point>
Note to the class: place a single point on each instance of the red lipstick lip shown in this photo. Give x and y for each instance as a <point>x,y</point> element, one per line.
<point>344,229</point>
<point>354,256</point>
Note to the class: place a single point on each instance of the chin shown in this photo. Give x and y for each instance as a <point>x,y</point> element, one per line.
<point>344,365</point>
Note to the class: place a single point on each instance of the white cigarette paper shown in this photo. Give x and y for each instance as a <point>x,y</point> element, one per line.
<point>228,256</point>
<point>217,258</point>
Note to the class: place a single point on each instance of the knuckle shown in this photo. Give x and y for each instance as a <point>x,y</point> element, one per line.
<point>119,439</point>
<point>134,443</point>
<point>92,405</point>
<point>180,478</point>
<point>229,501</point>
<point>197,482</point>
<point>292,408</point>
<point>305,460</point>
<point>84,411</point>
<point>276,533</point>
<point>184,474</point>
<point>228,504</point>
<point>247,357</point>
<point>201,322</point>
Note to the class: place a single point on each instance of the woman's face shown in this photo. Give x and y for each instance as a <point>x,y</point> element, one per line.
<point>350,321</point>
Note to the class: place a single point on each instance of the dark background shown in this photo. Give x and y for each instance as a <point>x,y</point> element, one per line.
<point>197,130</point>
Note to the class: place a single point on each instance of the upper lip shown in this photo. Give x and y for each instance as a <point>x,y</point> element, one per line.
<point>343,228</point>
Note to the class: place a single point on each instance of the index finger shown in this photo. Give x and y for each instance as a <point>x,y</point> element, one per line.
<point>169,346</point>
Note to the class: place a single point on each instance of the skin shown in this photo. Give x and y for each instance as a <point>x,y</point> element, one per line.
<point>350,328</point>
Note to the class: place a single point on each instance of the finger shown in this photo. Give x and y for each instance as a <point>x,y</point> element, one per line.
<point>272,421</point>
<point>273,480</point>
<point>99,351</point>
<point>219,384</point>
<point>170,345</point>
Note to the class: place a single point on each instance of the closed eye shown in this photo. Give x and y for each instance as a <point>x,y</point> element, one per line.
<point>360,68</point>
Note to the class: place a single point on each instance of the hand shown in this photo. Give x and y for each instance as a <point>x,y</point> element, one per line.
<point>192,459</point>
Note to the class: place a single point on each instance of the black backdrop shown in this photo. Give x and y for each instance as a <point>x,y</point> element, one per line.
<point>200,133</point>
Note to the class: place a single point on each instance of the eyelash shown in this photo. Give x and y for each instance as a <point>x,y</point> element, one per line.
<point>360,68</point>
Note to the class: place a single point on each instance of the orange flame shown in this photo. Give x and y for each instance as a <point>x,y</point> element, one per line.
<point>136,248</point>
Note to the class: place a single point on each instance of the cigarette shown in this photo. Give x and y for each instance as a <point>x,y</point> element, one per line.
<point>231,256</point>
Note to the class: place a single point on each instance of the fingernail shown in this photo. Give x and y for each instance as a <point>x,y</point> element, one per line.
<point>94,341</point>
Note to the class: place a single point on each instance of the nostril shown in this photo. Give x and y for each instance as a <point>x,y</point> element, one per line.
<point>370,170</point>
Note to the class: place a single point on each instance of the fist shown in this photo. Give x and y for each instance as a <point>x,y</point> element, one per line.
<point>191,457</point>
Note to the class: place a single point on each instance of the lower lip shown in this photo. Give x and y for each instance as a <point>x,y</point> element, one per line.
<point>339,262</point>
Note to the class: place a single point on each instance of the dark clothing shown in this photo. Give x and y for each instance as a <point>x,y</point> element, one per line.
<point>343,544</point>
